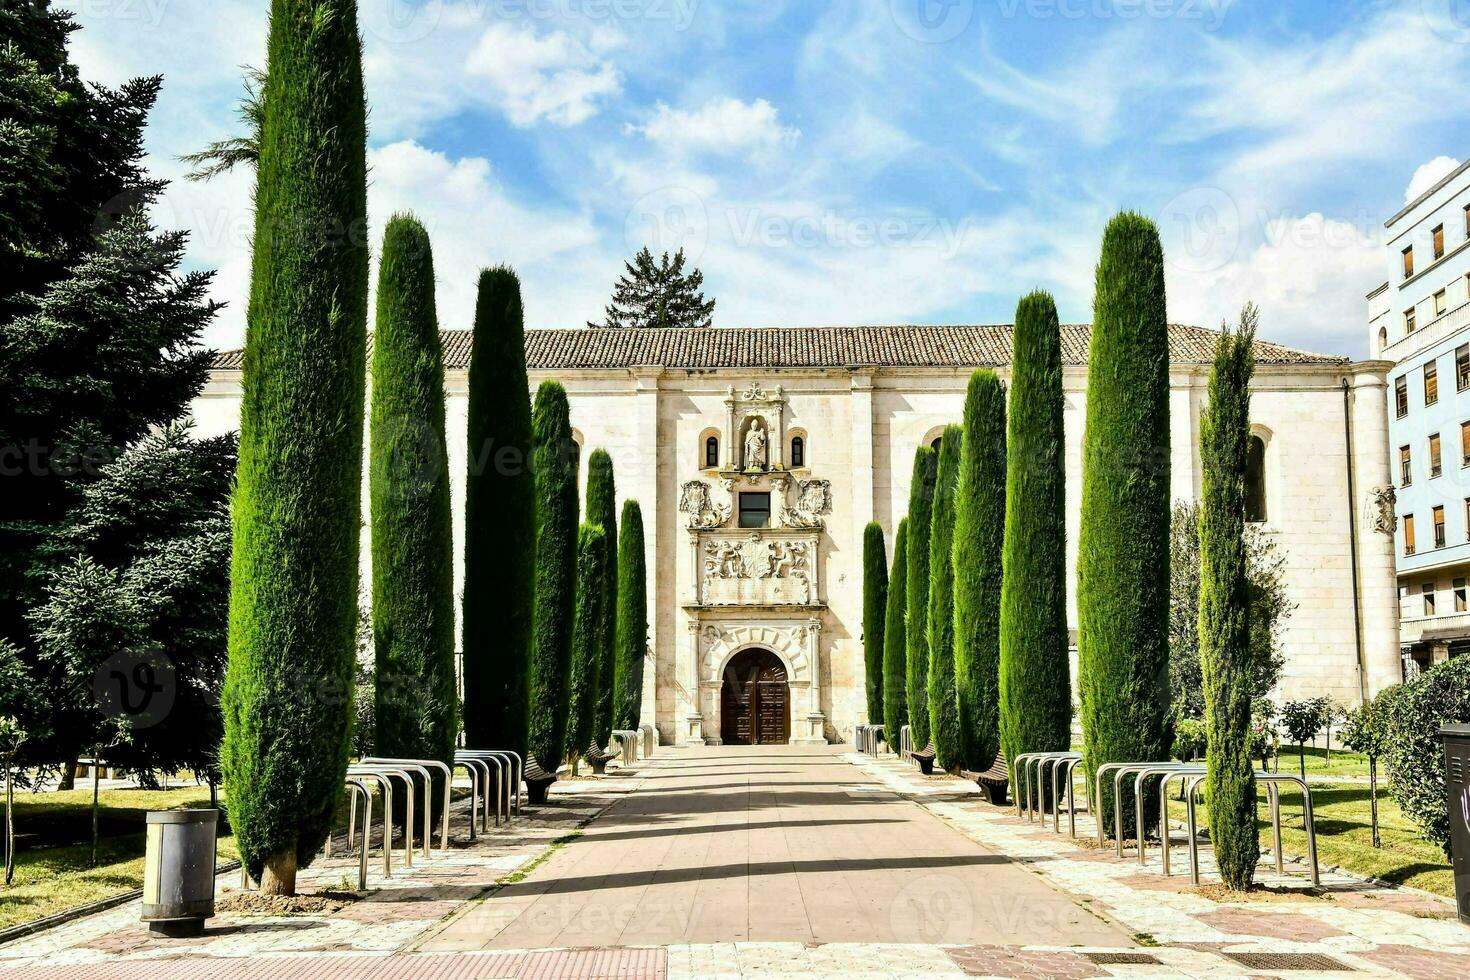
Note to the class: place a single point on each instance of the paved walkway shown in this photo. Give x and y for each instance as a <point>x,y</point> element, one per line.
<point>772,844</point>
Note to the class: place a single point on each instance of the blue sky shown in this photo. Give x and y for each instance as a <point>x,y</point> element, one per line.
<point>869,161</point>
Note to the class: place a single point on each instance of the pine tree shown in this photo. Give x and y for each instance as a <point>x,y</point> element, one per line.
<point>1123,547</point>
<point>875,601</point>
<point>979,533</point>
<point>1035,682</point>
<point>916,623</point>
<point>293,602</point>
<point>1224,608</point>
<point>895,640</point>
<point>500,528</point>
<point>588,640</point>
<point>416,692</point>
<point>555,571</point>
<point>632,619</point>
<point>602,509</point>
<point>657,293</point>
<point>944,718</point>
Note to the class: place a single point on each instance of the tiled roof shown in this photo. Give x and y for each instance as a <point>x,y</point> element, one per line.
<point>817,347</point>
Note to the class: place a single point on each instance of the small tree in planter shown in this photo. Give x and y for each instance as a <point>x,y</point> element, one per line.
<point>12,737</point>
<point>1364,730</point>
<point>1302,720</point>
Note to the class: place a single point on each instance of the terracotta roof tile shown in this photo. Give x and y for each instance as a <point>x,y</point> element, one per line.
<point>816,347</point>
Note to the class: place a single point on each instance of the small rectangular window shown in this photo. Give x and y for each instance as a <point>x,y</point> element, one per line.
<point>1467,221</point>
<point>1438,234</point>
<point>1462,599</point>
<point>1408,261</point>
<point>1465,443</point>
<point>1410,325</point>
<point>1428,590</point>
<point>755,510</point>
<point>1439,527</point>
<point>1408,534</point>
<point>1441,302</point>
<point>1462,367</point>
<point>1431,383</point>
<point>1401,396</point>
<point>1406,466</point>
<point>1435,468</point>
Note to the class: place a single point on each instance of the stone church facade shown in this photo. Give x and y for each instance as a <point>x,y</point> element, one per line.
<point>759,455</point>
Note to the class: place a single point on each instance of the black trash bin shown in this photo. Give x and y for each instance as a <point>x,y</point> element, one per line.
<point>178,871</point>
<point>1457,791</point>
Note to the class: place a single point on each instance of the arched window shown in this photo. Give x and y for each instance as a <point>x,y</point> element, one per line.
<point>936,443</point>
<point>798,452</point>
<point>1382,338</point>
<point>1255,481</point>
<point>711,452</point>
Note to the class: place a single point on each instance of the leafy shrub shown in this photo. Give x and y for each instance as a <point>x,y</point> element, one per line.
<point>1415,755</point>
<point>1189,739</point>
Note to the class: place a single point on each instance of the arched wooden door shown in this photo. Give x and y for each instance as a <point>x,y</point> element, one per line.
<point>755,700</point>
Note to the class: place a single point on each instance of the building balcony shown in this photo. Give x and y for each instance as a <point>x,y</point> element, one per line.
<point>1442,327</point>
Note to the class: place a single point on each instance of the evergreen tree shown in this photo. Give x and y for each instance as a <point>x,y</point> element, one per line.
<point>979,533</point>
<point>293,602</point>
<point>875,601</point>
<point>555,570</point>
<point>1123,547</point>
<point>602,509</point>
<point>658,293</point>
<point>916,623</point>
<point>588,639</point>
<point>415,690</point>
<point>895,640</point>
<point>1226,657</point>
<point>499,535</point>
<point>632,619</point>
<point>944,717</point>
<point>1035,681</point>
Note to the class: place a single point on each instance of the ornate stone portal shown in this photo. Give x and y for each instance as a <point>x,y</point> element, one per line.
<point>755,587</point>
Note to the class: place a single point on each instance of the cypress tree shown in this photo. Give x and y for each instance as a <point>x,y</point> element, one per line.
<point>555,575</point>
<point>416,694</point>
<point>944,711</point>
<point>916,629</point>
<point>632,622</point>
<point>875,601</point>
<point>895,640</point>
<point>588,641</point>
<point>1224,607</point>
<point>979,537</point>
<point>1123,548</point>
<point>500,523</point>
<point>602,508</point>
<point>297,503</point>
<point>1035,681</point>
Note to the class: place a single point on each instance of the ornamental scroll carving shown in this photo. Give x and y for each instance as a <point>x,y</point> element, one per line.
<point>1380,510</point>
<point>756,570</point>
<point>813,501</point>
<point>696,501</point>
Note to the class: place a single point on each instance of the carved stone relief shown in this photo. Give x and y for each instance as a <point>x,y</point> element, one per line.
<point>1380,510</point>
<point>756,569</point>
<point>813,501</point>
<point>696,500</point>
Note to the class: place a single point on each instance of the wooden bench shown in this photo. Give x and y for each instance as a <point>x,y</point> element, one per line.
<point>538,781</point>
<point>995,781</point>
<point>925,758</point>
<point>599,758</point>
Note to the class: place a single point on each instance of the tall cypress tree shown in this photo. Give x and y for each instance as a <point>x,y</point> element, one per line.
<point>588,641</point>
<point>555,576</point>
<point>875,601</point>
<point>979,533</point>
<point>1035,681</point>
<point>944,712</point>
<point>632,619</point>
<point>895,640</point>
<point>1224,607</point>
<point>417,697</point>
<point>500,523</point>
<point>297,503</point>
<point>1123,548</point>
<point>602,508</point>
<point>921,503</point>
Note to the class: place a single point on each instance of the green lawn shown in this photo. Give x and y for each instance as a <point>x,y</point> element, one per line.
<point>53,847</point>
<point>1342,763</point>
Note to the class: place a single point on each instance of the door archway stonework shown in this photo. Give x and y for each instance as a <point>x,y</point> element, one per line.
<point>795,644</point>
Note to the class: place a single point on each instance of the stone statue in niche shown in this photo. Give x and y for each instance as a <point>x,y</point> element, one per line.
<point>1381,516</point>
<point>756,457</point>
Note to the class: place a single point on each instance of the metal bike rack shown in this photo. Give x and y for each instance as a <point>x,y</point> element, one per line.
<point>1272,781</point>
<point>1021,767</point>
<point>1119,769</point>
<point>398,772</point>
<point>905,743</point>
<point>498,783</point>
<point>1183,773</point>
<point>1067,764</point>
<point>422,771</point>
<point>514,769</point>
<point>1055,760</point>
<point>1121,772</point>
<point>650,736</point>
<point>425,765</point>
<point>474,775</point>
<point>355,786</point>
<point>479,771</point>
<point>386,785</point>
<point>1142,776</point>
<point>628,740</point>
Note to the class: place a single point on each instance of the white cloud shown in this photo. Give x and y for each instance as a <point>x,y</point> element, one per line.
<point>720,126</point>
<point>1428,175</point>
<point>555,76</point>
